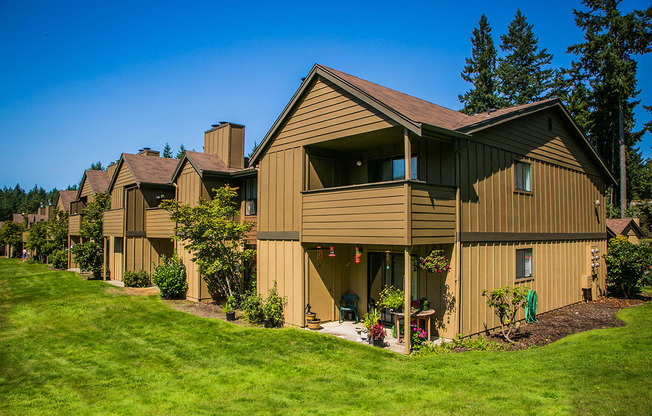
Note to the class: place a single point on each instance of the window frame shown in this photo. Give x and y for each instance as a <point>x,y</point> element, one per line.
<point>524,276</point>
<point>521,182</point>
<point>377,163</point>
<point>249,200</point>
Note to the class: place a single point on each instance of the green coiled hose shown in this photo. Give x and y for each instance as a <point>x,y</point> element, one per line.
<point>531,309</point>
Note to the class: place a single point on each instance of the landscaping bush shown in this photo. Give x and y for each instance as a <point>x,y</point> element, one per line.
<point>170,277</point>
<point>59,259</point>
<point>273,307</point>
<point>478,344</point>
<point>252,306</point>
<point>231,304</point>
<point>506,301</point>
<point>627,264</point>
<point>136,279</point>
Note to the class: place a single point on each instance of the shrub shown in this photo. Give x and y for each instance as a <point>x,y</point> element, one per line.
<point>170,277</point>
<point>478,344</point>
<point>392,298</point>
<point>252,306</point>
<point>59,259</point>
<point>419,337</point>
<point>273,307</point>
<point>139,278</point>
<point>626,265</point>
<point>506,301</point>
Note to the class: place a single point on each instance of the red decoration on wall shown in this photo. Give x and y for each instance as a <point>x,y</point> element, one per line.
<point>332,252</point>
<point>357,255</point>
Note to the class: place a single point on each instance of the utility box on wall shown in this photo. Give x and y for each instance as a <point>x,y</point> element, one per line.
<point>592,265</point>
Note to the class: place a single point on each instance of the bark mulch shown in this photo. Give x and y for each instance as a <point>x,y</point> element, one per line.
<point>572,319</point>
<point>205,310</point>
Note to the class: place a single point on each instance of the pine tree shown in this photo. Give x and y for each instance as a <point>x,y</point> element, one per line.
<point>97,166</point>
<point>480,71</point>
<point>523,76</point>
<point>607,70</point>
<point>167,151</point>
<point>181,152</point>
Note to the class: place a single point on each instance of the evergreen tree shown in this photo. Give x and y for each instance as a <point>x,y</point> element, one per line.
<point>181,152</point>
<point>523,74</point>
<point>167,151</point>
<point>90,253</point>
<point>97,166</point>
<point>607,70</point>
<point>480,71</point>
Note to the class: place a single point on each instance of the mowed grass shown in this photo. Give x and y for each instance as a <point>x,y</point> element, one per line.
<point>69,346</point>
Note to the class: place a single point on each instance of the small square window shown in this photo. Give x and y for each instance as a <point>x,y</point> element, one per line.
<point>522,176</point>
<point>524,263</point>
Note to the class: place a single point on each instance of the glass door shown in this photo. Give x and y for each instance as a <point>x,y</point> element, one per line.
<point>387,269</point>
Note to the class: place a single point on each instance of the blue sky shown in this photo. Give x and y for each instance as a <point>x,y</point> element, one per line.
<point>83,81</point>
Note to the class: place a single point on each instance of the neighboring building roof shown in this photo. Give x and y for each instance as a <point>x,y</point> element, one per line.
<point>97,179</point>
<point>208,163</point>
<point>414,113</point>
<point>31,218</point>
<point>149,170</point>
<point>66,198</point>
<point>617,226</point>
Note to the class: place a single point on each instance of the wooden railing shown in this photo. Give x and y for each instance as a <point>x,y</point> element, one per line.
<point>158,223</point>
<point>397,212</point>
<point>114,222</point>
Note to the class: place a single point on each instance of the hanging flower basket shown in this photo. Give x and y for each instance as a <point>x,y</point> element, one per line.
<point>435,262</point>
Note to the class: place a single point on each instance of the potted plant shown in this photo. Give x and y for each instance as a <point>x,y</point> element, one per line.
<point>273,308</point>
<point>370,319</point>
<point>378,335</point>
<point>435,262</point>
<point>392,298</point>
<point>229,308</point>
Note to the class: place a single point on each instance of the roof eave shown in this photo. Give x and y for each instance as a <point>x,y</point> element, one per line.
<point>318,70</point>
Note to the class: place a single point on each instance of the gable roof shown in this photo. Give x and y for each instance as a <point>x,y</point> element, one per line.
<point>414,113</point>
<point>146,170</point>
<point>618,225</point>
<point>98,180</point>
<point>31,218</point>
<point>207,164</point>
<point>66,198</point>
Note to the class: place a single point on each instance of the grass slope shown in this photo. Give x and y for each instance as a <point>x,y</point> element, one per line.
<point>70,346</point>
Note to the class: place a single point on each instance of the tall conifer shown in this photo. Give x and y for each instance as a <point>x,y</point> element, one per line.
<point>523,74</point>
<point>480,71</point>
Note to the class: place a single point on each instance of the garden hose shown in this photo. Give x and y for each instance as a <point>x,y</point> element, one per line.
<point>531,309</point>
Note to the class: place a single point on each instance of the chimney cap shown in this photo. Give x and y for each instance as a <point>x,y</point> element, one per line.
<point>145,148</point>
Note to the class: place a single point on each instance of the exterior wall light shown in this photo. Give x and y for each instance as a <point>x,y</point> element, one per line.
<point>358,162</point>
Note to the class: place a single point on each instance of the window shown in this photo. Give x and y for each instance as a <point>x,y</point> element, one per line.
<point>522,177</point>
<point>251,197</point>
<point>524,263</point>
<point>382,170</point>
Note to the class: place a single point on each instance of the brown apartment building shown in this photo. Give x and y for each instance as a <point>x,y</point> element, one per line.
<point>513,197</point>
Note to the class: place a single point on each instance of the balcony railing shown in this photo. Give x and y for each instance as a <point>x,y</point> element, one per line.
<point>74,224</point>
<point>158,223</point>
<point>114,222</point>
<point>398,212</point>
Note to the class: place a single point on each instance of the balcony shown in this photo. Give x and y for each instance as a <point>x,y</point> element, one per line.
<point>403,212</point>
<point>114,222</point>
<point>158,223</point>
<point>74,224</point>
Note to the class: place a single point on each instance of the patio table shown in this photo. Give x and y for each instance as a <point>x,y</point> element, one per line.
<point>417,316</point>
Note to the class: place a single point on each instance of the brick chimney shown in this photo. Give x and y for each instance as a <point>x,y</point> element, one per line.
<point>226,140</point>
<point>147,151</point>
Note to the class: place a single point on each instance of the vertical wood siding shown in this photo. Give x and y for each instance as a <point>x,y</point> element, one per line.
<point>124,178</point>
<point>558,270</point>
<point>561,201</point>
<point>281,261</point>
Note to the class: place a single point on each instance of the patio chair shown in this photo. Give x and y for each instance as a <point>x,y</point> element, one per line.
<point>350,305</point>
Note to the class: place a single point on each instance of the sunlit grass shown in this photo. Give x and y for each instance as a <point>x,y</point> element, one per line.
<point>68,346</point>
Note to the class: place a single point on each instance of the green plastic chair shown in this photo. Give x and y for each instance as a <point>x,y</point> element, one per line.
<point>350,305</point>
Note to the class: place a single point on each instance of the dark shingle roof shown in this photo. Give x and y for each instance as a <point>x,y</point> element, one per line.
<point>97,179</point>
<point>150,169</point>
<point>66,198</point>
<point>618,225</point>
<point>208,162</point>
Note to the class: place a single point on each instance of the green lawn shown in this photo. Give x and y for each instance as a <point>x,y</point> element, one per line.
<point>68,346</point>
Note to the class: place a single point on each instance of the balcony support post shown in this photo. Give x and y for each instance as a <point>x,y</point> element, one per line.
<point>408,154</point>
<point>407,285</point>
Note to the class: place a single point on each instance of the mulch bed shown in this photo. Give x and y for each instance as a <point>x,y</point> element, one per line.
<point>205,310</point>
<point>572,319</point>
